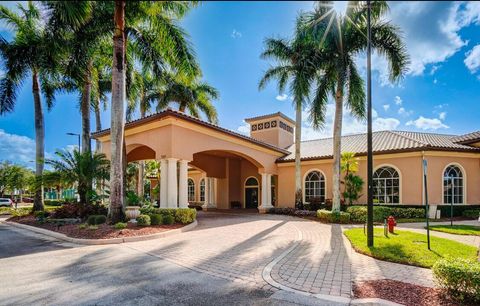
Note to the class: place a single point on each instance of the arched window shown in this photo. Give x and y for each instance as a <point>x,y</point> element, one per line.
<point>191,190</point>
<point>386,186</point>
<point>315,187</point>
<point>453,185</point>
<point>202,190</point>
<point>252,182</point>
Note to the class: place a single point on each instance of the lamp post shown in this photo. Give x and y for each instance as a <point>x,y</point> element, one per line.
<point>369,132</point>
<point>78,135</point>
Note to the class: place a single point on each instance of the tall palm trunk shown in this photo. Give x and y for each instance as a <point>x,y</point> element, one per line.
<point>298,170</point>
<point>39,143</point>
<point>141,164</point>
<point>98,125</point>
<point>85,109</point>
<point>117,117</point>
<point>337,147</point>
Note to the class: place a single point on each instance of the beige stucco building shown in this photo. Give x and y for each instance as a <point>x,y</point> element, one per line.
<point>201,162</point>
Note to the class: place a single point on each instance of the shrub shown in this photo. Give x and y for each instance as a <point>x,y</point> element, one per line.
<point>82,226</point>
<point>41,214</point>
<point>357,213</point>
<point>333,217</point>
<point>471,213</point>
<point>460,277</point>
<point>143,220</point>
<point>67,211</point>
<point>457,209</point>
<point>166,211</point>
<point>132,199</point>
<point>185,215</point>
<point>282,211</point>
<point>96,219</point>
<point>20,212</point>
<point>91,220</point>
<point>314,204</point>
<point>54,202</point>
<point>380,213</point>
<point>407,213</point>
<point>156,219</point>
<point>79,210</point>
<point>147,209</point>
<point>100,219</point>
<point>120,225</point>
<point>304,213</point>
<point>168,219</point>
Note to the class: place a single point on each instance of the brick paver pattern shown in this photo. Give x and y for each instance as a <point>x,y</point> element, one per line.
<point>239,246</point>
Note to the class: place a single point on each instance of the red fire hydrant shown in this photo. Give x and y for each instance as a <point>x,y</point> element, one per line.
<point>391,224</point>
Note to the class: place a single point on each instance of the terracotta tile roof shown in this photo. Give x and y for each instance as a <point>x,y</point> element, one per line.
<point>383,142</point>
<point>177,114</point>
<point>269,116</point>
<point>467,138</point>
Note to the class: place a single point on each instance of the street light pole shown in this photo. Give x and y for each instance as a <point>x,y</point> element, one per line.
<point>369,131</point>
<point>78,135</point>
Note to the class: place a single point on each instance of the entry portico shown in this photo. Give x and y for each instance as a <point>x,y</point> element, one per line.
<point>223,158</point>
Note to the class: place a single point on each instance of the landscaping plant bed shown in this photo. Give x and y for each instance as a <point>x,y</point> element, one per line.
<point>403,293</point>
<point>102,231</point>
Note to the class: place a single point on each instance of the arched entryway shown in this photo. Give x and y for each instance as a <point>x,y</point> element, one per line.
<point>251,192</point>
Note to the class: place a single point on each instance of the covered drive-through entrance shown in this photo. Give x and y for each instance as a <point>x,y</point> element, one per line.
<point>202,162</point>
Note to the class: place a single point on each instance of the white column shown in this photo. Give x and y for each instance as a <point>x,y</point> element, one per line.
<point>172,193</point>
<point>264,189</point>
<point>163,183</point>
<point>183,185</point>
<point>269,190</point>
<point>207,190</point>
<point>213,190</point>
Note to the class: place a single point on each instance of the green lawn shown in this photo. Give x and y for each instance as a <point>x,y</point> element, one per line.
<point>457,229</point>
<point>409,248</point>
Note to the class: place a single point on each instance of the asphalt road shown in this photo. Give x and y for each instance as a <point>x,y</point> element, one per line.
<point>36,270</point>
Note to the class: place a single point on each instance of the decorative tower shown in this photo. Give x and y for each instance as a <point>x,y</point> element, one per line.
<point>275,129</point>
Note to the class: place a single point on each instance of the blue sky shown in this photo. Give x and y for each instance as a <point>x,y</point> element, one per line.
<point>439,94</point>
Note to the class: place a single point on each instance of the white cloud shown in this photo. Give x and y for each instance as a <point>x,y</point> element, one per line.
<point>472,59</point>
<point>401,111</point>
<point>351,124</point>
<point>423,123</point>
<point>236,34</point>
<point>244,128</point>
<point>435,81</point>
<point>398,100</point>
<point>282,97</point>
<point>442,115</point>
<point>386,107</point>
<point>440,23</point>
<point>16,148</point>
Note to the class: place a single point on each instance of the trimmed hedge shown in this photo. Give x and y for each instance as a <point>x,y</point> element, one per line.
<point>168,219</point>
<point>156,219</point>
<point>359,213</point>
<point>471,213</point>
<point>457,209</point>
<point>185,215</point>
<point>143,220</point>
<point>460,277</point>
<point>96,219</point>
<point>120,225</point>
<point>333,217</point>
<point>54,202</point>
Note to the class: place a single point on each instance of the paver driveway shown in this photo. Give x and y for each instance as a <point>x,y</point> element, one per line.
<point>261,252</point>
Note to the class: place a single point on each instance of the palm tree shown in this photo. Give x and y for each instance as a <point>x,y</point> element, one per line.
<point>194,96</point>
<point>81,168</point>
<point>341,38</point>
<point>32,53</point>
<point>296,64</point>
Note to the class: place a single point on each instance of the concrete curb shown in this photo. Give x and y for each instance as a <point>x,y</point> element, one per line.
<point>101,241</point>
<point>307,298</point>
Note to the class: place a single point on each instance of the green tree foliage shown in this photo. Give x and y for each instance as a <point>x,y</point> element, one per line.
<point>341,38</point>
<point>79,168</point>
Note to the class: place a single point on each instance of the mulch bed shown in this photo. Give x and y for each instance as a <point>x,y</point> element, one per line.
<point>403,293</point>
<point>104,231</point>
